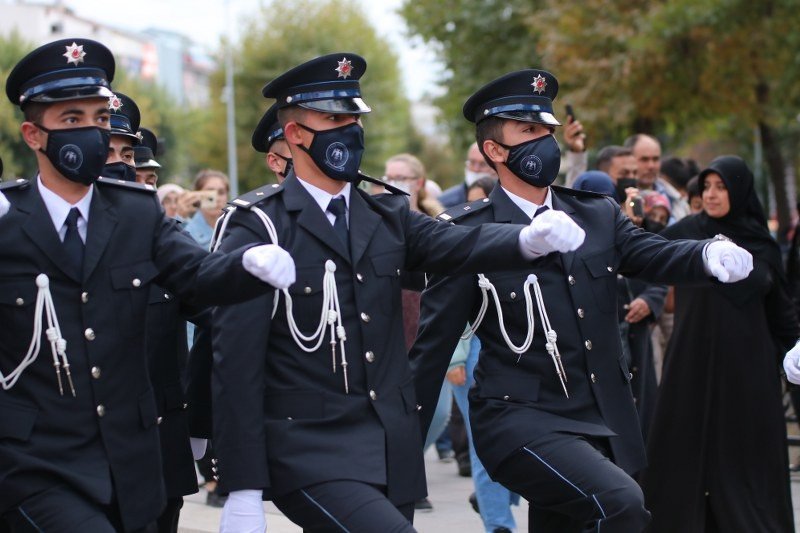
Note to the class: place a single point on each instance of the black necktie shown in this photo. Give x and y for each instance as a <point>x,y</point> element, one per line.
<point>540,211</point>
<point>338,207</point>
<point>72,240</point>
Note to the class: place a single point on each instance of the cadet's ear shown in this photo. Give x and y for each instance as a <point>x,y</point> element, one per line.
<point>33,136</point>
<point>293,133</point>
<point>494,152</point>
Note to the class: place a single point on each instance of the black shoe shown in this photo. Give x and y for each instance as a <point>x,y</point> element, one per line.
<point>464,468</point>
<point>473,501</point>
<point>501,530</point>
<point>424,505</point>
<point>215,500</point>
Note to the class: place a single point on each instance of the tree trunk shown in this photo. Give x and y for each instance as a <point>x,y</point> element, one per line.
<point>777,173</point>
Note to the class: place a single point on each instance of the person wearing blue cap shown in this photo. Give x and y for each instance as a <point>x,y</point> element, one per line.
<point>551,411</point>
<point>78,255</point>
<point>269,140</point>
<point>314,403</point>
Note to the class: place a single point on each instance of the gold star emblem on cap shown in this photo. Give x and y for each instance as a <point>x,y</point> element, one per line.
<point>74,53</point>
<point>344,69</point>
<point>114,103</point>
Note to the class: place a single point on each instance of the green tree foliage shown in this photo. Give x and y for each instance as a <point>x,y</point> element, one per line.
<point>285,34</point>
<point>17,157</point>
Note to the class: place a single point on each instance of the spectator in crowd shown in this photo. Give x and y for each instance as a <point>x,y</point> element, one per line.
<point>576,159</point>
<point>656,212</point>
<point>694,195</point>
<point>726,468</point>
<point>647,152</point>
<point>595,181</point>
<point>480,189</point>
<point>475,168</point>
<point>618,162</point>
<point>675,174</point>
<point>212,188</point>
<point>168,195</point>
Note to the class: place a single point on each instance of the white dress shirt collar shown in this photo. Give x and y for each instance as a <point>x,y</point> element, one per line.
<point>59,209</point>
<point>528,207</point>
<point>323,198</point>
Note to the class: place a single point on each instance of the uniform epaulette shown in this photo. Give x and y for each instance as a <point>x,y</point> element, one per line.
<point>20,183</point>
<point>462,210</point>
<point>251,198</point>
<point>577,192</point>
<point>130,185</point>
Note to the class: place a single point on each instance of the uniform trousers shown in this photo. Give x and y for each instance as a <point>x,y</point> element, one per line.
<point>168,521</point>
<point>572,486</point>
<point>345,506</point>
<point>61,509</point>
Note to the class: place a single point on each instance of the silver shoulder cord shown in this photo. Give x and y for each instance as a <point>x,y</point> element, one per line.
<point>58,345</point>
<point>330,315</point>
<point>551,345</point>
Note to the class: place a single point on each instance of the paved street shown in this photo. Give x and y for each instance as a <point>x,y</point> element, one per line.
<point>448,493</point>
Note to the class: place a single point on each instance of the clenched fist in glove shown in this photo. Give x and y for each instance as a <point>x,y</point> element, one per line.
<point>4,204</point>
<point>727,262</point>
<point>791,364</point>
<point>271,264</point>
<point>551,231</point>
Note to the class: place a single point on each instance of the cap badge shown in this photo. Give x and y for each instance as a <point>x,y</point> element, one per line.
<point>74,54</point>
<point>539,84</point>
<point>114,103</point>
<point>344,69</point>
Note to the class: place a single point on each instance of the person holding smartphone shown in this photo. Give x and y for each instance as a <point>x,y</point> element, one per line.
<point>211,188</point>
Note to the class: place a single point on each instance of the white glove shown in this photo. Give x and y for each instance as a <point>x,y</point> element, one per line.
<point>791,364</point>
<point>243,513</point>
<point>198,447</point>
<point>727,262</point>
<point>4,204</point>
<point>270,263</point>
<point>551,231</point>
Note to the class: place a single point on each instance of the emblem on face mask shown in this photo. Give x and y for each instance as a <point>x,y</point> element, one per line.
<point>531,165</point>
<point>114,103</point>
<point>344,69</point>
<point>71,157</point>
<point>539,84</point>
<point>336,155</point>
<point>74,54</point>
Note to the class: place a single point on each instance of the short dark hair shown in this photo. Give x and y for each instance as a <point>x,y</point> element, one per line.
<point>607,153</point>
<point>489,129</point>
<point>677,171</point>
<point>485,184</point>
<point>289,114</point>
<point>34,111</point>
<point>693,187</point>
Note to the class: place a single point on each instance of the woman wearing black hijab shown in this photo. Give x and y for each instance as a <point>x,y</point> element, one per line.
<point>717,445</point>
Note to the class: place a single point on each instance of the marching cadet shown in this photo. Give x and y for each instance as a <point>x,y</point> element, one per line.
<point>79,442</point>
<point>144,157</point>
<point>124,120</point>
<point>313,395</point>
<point>269,140</point>
<point>552,417</point>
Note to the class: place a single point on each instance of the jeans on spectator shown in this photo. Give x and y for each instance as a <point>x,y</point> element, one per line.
<point>494,500</point>
<point>441,415</point>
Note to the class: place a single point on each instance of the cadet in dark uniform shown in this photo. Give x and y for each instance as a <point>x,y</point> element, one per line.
<point>124,121</point>
<point>79,441</point>
<point>316,404</point>
<point>144,157</point>
<point>552,415</point>
<point>269,140</point>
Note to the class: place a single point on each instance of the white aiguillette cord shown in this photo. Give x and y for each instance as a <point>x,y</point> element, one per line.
<point>58,346</point>
<point>331,313</point>
<point>551,337</point>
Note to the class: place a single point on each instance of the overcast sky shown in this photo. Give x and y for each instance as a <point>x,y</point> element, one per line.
<point>204,22</point>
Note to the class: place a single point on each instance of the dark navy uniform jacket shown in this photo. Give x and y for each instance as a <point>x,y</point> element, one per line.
<point>282,419</point>
<point>106,436</point>
<point>519,399</point>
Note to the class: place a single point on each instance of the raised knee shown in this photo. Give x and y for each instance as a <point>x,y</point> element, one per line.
<point>625,504</point>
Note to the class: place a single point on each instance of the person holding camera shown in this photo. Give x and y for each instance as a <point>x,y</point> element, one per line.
<point>211,189</point>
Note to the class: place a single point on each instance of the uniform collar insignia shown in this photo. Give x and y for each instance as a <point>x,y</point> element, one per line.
<point>539,84</point>
<point>74,54</point>
<point>344,69</point>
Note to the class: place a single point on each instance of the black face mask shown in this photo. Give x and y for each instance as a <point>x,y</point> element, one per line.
<point>653,227</point>
<point>119,171</point>
<point>622,184</point>
<point>337,152</point>
<point>535,162</point>
<point>287,168</point>
<point>79,154</point>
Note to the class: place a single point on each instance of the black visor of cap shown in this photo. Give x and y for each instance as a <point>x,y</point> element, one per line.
<point>339,106</point>
<point>143,157</point>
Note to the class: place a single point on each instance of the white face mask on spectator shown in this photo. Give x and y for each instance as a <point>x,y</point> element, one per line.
<point>402,185</point>
<point>471,176</point>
